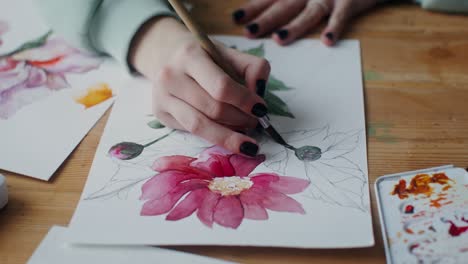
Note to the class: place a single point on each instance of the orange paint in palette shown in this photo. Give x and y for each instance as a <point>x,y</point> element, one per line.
<point>424,213</point>
<point>95,95</point>
<point>420,184</point>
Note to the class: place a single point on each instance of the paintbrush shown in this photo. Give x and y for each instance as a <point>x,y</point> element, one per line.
<point>211,49</point>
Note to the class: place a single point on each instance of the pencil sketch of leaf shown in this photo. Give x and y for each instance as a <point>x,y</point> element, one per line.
<point>257,51</point>
<point>275,84</point>
<point>155,124</point>
<point>276,106</point>
<point>119,188</point>
<point>335,178</point>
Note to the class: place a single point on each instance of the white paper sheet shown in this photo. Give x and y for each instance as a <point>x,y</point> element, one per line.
<point>324,205</point>
<point>55,249</point>
<point>40,121</point>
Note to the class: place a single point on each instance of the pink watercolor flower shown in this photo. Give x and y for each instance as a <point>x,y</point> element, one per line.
<point>217,185</point>
<point>31,74</point>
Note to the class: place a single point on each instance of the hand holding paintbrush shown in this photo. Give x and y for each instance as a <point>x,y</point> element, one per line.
<point>211,49</point>
<point>193,93</point>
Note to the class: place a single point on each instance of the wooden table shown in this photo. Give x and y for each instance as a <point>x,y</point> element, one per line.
<point>416,70</point>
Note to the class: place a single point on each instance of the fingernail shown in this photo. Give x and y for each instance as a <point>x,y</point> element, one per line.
<point>259,128</point>
<point>240,132</point>
<point>259,110</point>
<point>252,28</point>
<point>261,86</point>
<point>249,149</point>
<point>282,34</point>
<point>238,15</point>
<point>329,36</point>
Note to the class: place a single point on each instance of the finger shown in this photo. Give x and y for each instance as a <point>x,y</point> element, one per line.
<point>169,121</point>
<point>250,10</point>
<point>310,16</point>
<point>276,15</point>
<point>198,124</point>
<point>342,11</point>
<point>222,88</point>
<point>186,89</point>
<point>253,69</point>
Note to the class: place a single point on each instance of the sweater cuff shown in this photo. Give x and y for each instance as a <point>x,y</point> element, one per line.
<point>117,21</point>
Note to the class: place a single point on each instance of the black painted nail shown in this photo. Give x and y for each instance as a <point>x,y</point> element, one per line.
<point>249,149</point>
<point>252,28</point>
<point>259,128</point>
<point>282,33</point>
<point>329,36</point>
<point>241,132</point>
<point>261,86</point>
<point>238,15</point>
<point>259,110</point>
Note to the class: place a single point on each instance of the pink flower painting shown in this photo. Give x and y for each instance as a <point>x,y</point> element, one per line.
<point>219,187</point>
<point>29,74</point>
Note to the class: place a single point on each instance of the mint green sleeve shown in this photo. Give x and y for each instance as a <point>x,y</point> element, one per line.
<point>454,6</point>
<point>101,26</point>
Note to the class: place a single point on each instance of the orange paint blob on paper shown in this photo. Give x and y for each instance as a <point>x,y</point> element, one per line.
<point>95,95</point>
<point>420,184</point>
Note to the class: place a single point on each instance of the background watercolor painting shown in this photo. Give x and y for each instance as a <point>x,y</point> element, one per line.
<point>170,187</point>
<point>44,81</point>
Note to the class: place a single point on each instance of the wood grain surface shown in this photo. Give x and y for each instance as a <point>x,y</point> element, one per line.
<point>415,67</point>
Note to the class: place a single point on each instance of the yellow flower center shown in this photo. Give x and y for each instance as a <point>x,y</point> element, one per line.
<point>233,185</point>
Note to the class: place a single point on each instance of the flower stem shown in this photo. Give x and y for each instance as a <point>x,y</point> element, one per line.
<point>158,139</point>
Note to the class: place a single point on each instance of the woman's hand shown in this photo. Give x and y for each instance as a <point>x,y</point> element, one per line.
<point>291,19</point>
<point>192,93</point>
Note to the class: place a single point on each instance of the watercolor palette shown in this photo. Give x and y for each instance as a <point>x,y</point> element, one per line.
<point>424,215</point>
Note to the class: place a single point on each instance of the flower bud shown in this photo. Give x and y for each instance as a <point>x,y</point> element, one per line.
<point>126,150</point>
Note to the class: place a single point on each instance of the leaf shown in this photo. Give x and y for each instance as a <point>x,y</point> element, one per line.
<point>258,51</point>
<point>30,44</point>
<point>276,106</point>
<point>276,85</point>
<point>156,124</point>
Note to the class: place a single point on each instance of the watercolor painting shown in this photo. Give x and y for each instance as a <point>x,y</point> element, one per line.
<point>36,69</point>
<point>49,88</point>
<point>432,220</point>
<point>157,180</point>
<point>217,186</point>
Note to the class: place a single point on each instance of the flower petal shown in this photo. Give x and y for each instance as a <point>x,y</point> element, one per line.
<point>176,162</point>
<point>167,202</point>
<point>229,212</point>
<point>245,165</point>
<point>187,206</point>
<point>12,74</point>
<point>282,184</point>
<point>206,211</point>
<point>252,208</point>
<point>217,165</point>
<point>37,77</point>
<point>76,62</point>
<point>277,201</point>
<point>56,81</point>
<point>163,183</point>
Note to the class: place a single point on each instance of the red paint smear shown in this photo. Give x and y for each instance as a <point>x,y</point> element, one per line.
<point>46,62</point>
<point>456,230</point>
<point>412,247</point>
<point>409,209</point>
<point>420,184</point>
